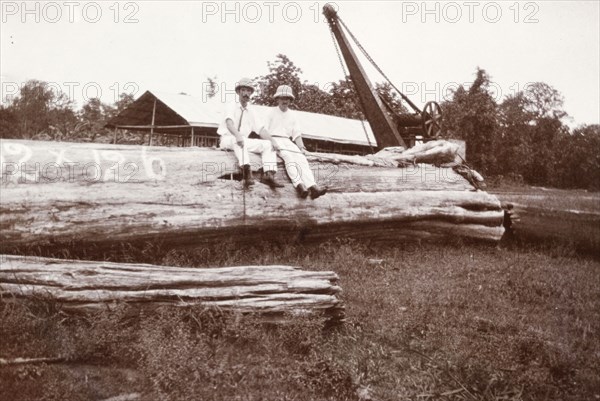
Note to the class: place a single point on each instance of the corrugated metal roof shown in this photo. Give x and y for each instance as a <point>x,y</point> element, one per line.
<point>200,112</point>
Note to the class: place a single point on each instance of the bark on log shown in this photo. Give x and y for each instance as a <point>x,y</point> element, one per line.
<point>86,285</point>
<point>97,196</point>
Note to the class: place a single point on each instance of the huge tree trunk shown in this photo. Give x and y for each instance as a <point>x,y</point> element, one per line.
<point>84,285</point>
<point>94,196</point>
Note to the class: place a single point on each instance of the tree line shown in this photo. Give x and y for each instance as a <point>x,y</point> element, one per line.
<point>522,139</point>
<point>39,112</point>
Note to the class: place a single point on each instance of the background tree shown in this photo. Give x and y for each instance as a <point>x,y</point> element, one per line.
<point>63,119</point>
<point>391,98</point>
<point>281,72</point>
<point>38,112</point>
<point>313,99</point>
<point>516,126</point>
<point>345,100</point>
<point>531,132</point>
<point>9,124</point>
<point>31,108</point>
<point>93,117</point>
<point>340,100</point>
<point>125,99</point>
<point>213,87</point>
<point>543,101</point>
<point>337,98</point>
<point>578,159</point>
<point>472,115</point>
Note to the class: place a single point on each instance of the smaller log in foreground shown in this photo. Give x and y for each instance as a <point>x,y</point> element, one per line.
<point>85,286</point>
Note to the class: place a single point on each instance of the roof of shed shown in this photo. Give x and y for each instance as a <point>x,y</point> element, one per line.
<point>176,111</point>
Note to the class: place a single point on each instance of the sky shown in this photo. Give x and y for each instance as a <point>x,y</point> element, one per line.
<point>100,49</point>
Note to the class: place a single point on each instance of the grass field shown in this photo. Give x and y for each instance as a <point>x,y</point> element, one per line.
<point>451,322</point>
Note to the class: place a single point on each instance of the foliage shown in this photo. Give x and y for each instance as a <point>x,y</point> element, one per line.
<point>125,99</point>
<point>336,98</point>
<point>390,97</point>
<point>531,131</point>
<point>38,112</point>
<point>93,116</point>
<point>9,124</point>
<point>472,115</point>
<point>543,101</point>
<point>213,86</point>
<point>344,99</point>
<point>578,159</point>
<point>281,72</point>
<point>523,138</point>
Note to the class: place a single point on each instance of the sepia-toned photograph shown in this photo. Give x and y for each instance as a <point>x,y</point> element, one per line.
<point>300,200</point>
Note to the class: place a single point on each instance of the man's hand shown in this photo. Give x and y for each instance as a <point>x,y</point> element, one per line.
<point>240,141</point>
<point>303,150</point>
<point>276,148</point>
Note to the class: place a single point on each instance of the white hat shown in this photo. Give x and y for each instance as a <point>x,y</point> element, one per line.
<point>244,83</point>
<point>284,91</point>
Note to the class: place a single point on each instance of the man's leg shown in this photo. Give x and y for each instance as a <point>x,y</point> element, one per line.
<point>269,160</point>
<point>265,150</point>
<point>306,175</point>
<point>296,164</point>
<point>291,167</point>
<point>228,142</point>
<point>287,152</point>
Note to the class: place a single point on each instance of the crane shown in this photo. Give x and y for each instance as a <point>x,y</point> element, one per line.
<point>389,127</point>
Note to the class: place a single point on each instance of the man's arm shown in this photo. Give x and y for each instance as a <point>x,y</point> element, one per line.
<point>234,131</point>
<point>298,141</point>
<point>264,134</point>
<point>297,136</point>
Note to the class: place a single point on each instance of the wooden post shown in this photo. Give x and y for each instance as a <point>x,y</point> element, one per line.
<point>115,136</point>
<point>152,125</point>
<point>192,144</point>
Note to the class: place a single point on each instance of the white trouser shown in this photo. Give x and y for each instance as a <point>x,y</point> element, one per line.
<point>259,146</point>
<point>296,164</point>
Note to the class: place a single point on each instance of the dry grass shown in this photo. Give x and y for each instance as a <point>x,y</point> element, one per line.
<point>451,322</point>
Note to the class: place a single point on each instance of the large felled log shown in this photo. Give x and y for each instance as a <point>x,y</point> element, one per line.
<point>95,195</point>
<point>84,285</point>
<point>554,215</point>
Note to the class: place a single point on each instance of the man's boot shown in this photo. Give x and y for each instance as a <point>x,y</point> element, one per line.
<point>268,178</point>
<point>315,192</point>
<point>302,191</point>
<point>247,175</point>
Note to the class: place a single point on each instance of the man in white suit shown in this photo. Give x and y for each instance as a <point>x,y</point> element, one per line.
<point>237,124</point>
<point>286,136</point>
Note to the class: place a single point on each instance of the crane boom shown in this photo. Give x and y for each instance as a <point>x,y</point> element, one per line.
<point>383,127</point>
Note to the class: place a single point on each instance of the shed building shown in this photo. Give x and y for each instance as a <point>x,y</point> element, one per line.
<point>183,120</point>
